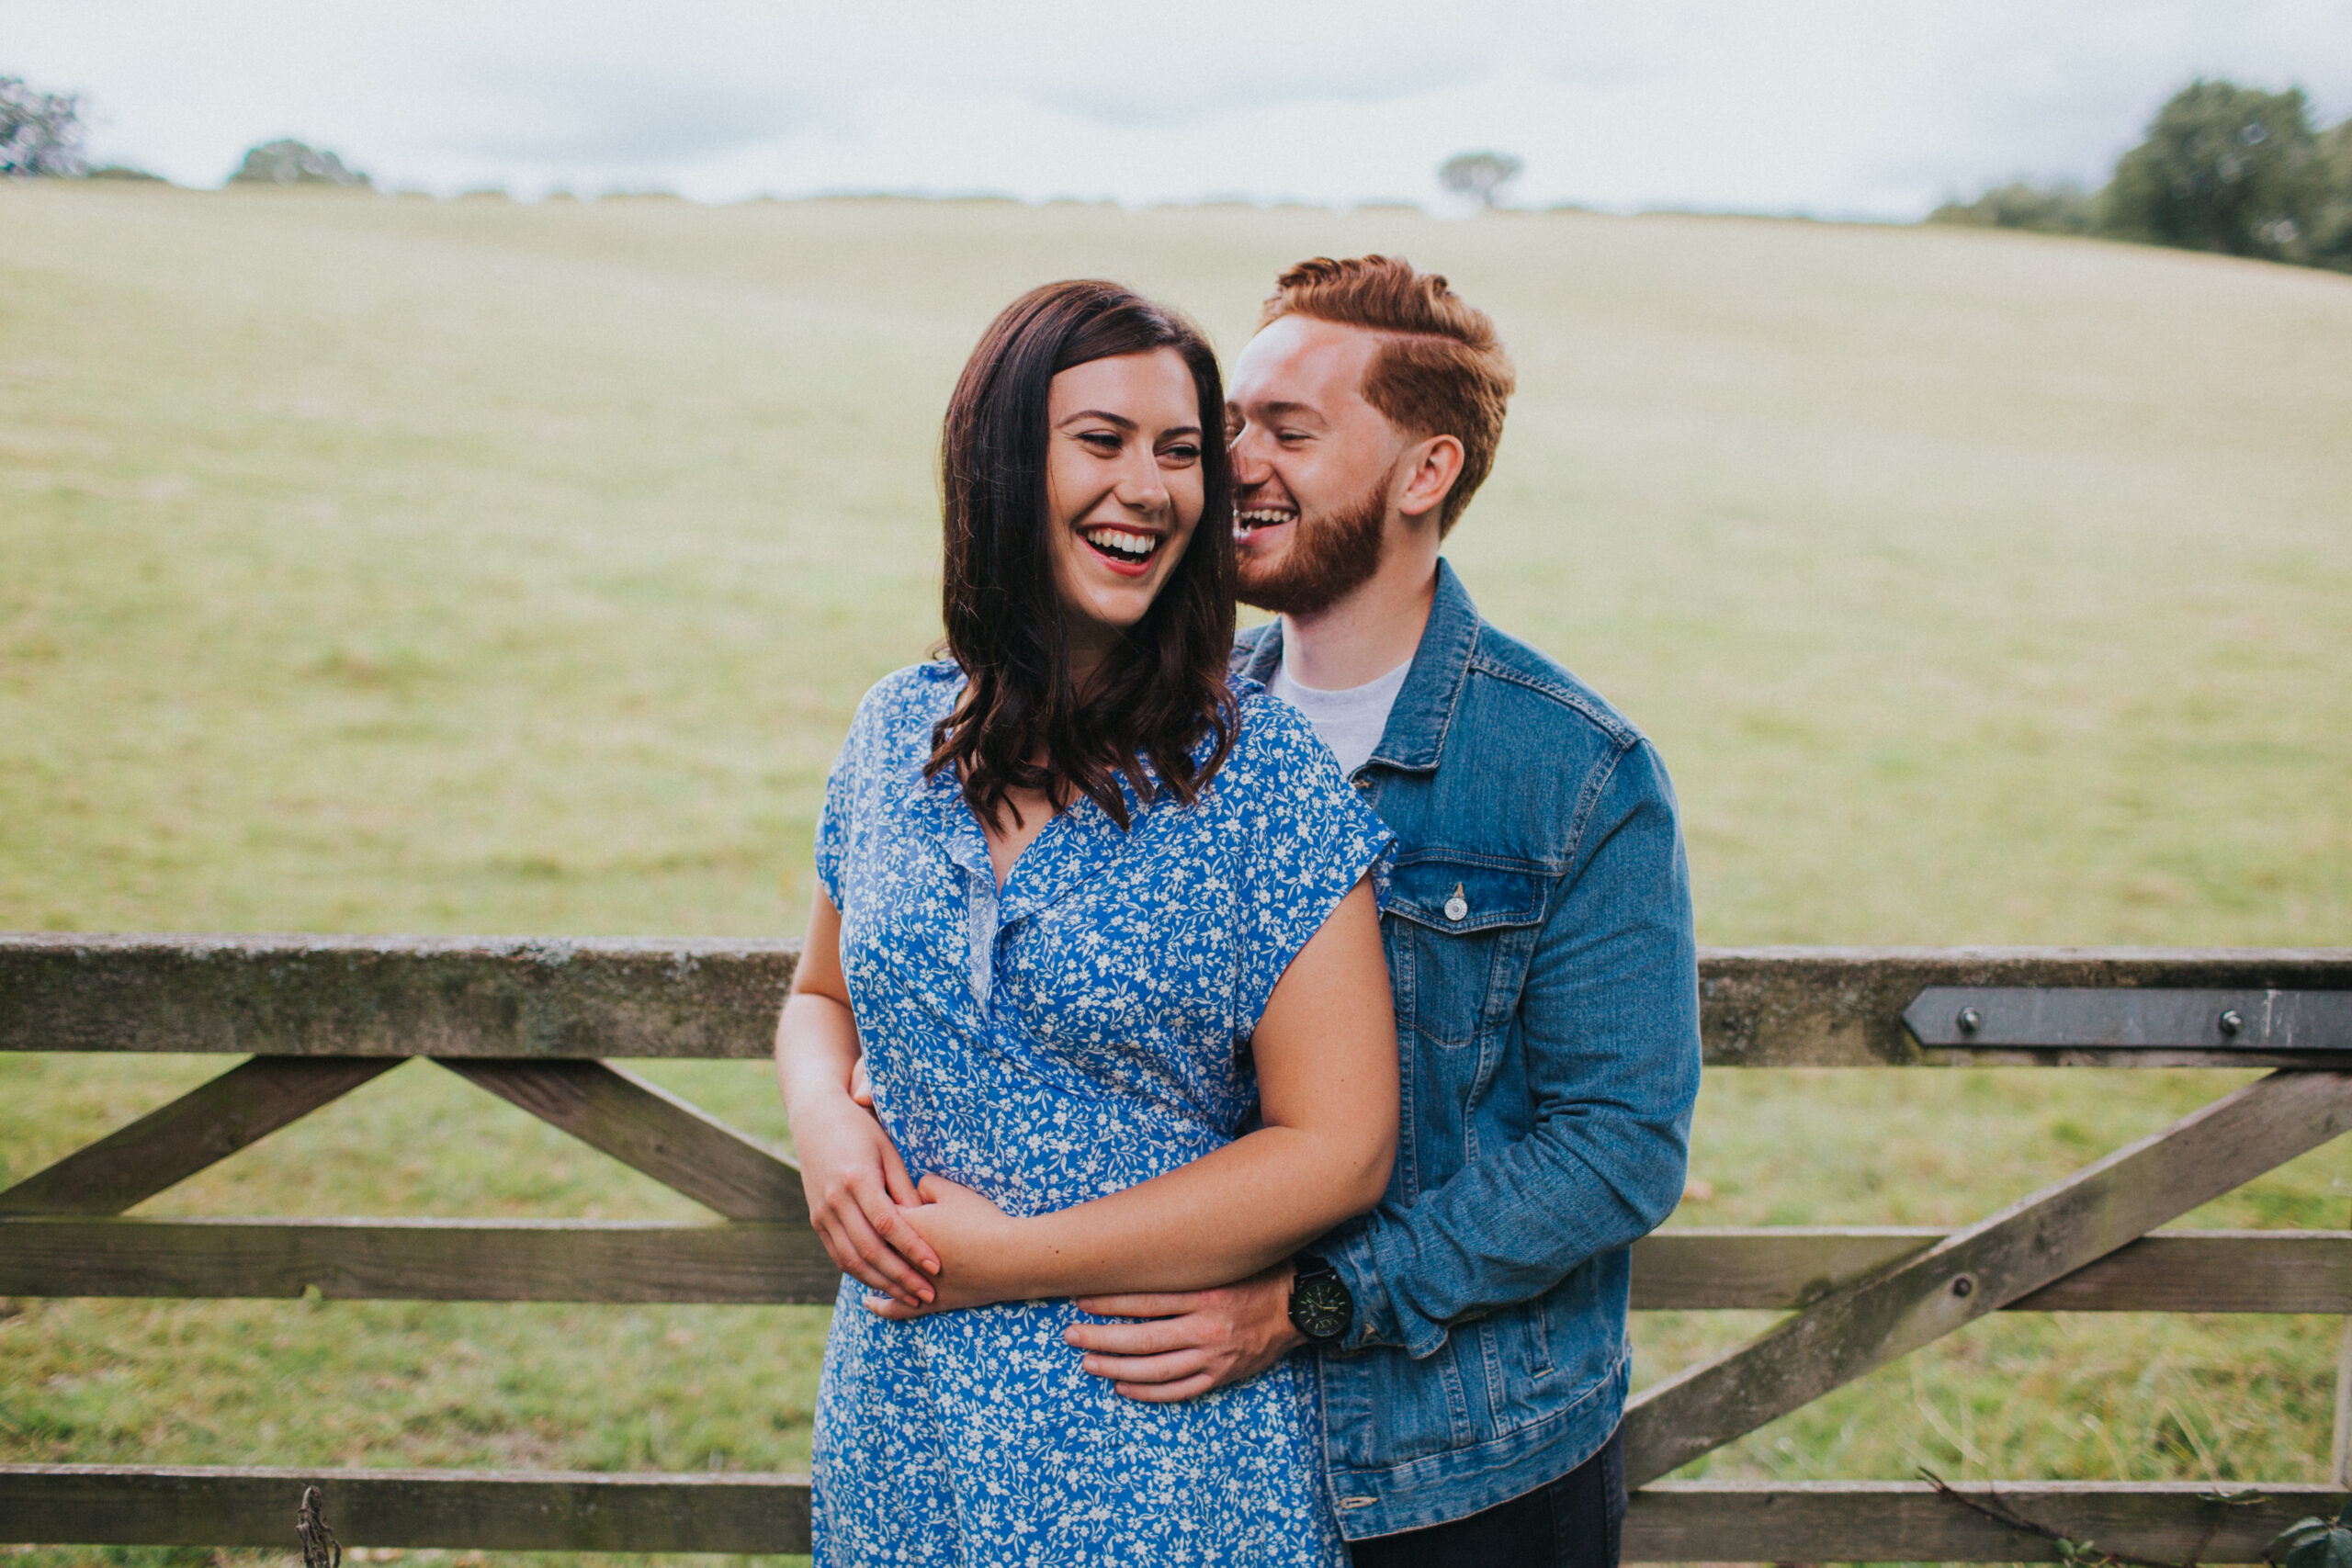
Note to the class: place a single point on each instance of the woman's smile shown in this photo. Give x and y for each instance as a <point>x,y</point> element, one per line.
<point>1127,551</point>
<point>1124,487</point>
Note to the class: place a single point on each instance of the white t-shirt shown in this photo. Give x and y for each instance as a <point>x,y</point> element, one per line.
<point>1350,722</point>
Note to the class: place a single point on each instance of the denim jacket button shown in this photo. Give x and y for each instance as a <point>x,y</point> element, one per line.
<point>1456,907</point>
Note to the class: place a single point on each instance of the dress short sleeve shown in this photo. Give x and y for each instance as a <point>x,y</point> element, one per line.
<point>833,819</point>
<point>1306,841</point>
<point>852,781</point>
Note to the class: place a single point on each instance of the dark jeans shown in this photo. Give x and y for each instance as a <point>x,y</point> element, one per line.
<point>1570,1523</point>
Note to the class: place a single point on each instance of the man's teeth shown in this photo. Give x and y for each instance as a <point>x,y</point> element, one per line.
<point>1120,540</point>
<point>1260,519</point>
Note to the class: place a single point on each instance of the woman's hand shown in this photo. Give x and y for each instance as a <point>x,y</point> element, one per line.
<point>972,1239</point>
<point>859,1196</point>
<point>857,1187</point>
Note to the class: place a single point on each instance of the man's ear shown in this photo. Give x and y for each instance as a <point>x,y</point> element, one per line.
<point>1430,467</point>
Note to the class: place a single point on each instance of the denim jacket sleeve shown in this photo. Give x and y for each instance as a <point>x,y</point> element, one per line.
<point>1609,1019</point>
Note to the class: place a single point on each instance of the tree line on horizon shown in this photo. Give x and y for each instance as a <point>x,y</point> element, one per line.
<point>2224,167</point>
<point>43,134</point>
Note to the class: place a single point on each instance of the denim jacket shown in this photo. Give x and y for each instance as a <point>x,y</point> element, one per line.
<point>1537,926</point>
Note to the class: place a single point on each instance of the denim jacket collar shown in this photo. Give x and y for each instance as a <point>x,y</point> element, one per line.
<point>1424,708</point>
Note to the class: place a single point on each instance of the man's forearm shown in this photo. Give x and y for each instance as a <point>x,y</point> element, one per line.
<point>1504,1230</point>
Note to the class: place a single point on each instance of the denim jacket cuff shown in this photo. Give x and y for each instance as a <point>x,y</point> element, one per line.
<point>1349,1252</point>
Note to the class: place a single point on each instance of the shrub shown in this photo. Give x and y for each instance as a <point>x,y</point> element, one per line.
<point>2062,208</point>
<point>289,163</point>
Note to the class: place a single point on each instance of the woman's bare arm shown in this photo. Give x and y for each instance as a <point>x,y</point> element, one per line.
<point>1326,1053</point>
<point>849,1169</point>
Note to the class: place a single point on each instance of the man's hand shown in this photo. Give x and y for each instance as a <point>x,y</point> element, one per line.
<point>1192,1341</point>
<point>856,1186</point>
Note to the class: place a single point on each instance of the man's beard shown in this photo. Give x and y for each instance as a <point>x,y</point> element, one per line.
<point>1329,559</point>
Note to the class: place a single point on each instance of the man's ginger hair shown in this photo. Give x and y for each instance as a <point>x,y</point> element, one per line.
<point>1439,370</point>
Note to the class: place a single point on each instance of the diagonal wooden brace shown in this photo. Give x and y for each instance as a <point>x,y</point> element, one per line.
<point>2034,1241</point>
<point>200,1128</point>
<point>678,1144</point>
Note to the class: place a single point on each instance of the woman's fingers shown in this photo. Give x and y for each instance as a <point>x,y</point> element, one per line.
<point>894,1308</point>
<point>937,1189</point>
<point>892,1272</point>
<point>907,1242</point>
<point>863,1254</point>
<point>881,1211</point>
<point>846,1257</point>
<point>899,1189</point>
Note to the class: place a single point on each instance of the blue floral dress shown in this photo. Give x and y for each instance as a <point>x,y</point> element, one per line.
<point>1083,1030</point>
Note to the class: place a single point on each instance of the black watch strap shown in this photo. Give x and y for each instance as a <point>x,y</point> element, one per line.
<point>1321,1306</point>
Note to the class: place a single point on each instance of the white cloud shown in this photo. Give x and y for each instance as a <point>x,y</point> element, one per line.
<point>1834,107</point>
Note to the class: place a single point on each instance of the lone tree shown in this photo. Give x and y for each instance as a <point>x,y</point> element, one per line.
<point>291,162</point>
<point>1479,175</point>
<point>2224,168</point>
<point>41,133</point>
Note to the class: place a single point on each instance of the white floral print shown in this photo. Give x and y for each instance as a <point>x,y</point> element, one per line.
<point>1083,1028</point>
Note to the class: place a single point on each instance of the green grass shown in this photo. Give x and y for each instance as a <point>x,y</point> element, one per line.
<point>372,565</point>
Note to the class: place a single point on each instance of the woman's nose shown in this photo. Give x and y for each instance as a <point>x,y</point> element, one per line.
<point>1141,485</point>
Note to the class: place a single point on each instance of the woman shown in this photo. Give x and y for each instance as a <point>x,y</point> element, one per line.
<point>1083,906</point>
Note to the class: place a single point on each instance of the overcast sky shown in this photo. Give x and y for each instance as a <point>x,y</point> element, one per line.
<point>1834,108</point>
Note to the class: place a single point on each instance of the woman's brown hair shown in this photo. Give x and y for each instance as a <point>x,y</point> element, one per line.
<point>1021,721</point>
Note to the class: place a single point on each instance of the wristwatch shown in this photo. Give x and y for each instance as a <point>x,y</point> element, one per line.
<point>1321,1306</point>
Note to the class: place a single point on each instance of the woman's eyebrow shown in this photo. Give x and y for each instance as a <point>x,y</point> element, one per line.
<point>1107,417</point>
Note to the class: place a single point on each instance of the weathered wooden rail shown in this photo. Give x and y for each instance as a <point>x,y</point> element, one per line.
<point>536,1023</point>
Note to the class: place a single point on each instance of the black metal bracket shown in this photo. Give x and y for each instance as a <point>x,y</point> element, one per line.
<point>2128,1017</point>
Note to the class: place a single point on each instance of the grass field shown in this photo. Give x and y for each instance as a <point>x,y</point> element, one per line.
<point>391,565</point>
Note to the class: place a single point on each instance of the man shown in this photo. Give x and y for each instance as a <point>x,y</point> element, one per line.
<point>1537,926</point>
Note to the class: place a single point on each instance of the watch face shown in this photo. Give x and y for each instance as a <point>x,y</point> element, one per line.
<point>1322,1307</point>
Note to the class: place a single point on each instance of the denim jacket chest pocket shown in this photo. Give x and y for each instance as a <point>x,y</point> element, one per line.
<point>1464,932</point>
<point>1460,935</point>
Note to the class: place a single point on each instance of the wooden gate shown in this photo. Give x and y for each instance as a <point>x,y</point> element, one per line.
<point>534,1022</point>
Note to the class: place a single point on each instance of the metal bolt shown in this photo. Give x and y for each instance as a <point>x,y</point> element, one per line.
<point>2232,1021</point>
<point>1964,1286</point>
<point>1969,1020</point>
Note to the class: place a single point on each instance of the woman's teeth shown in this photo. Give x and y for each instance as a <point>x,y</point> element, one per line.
<point>1118,541</point>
